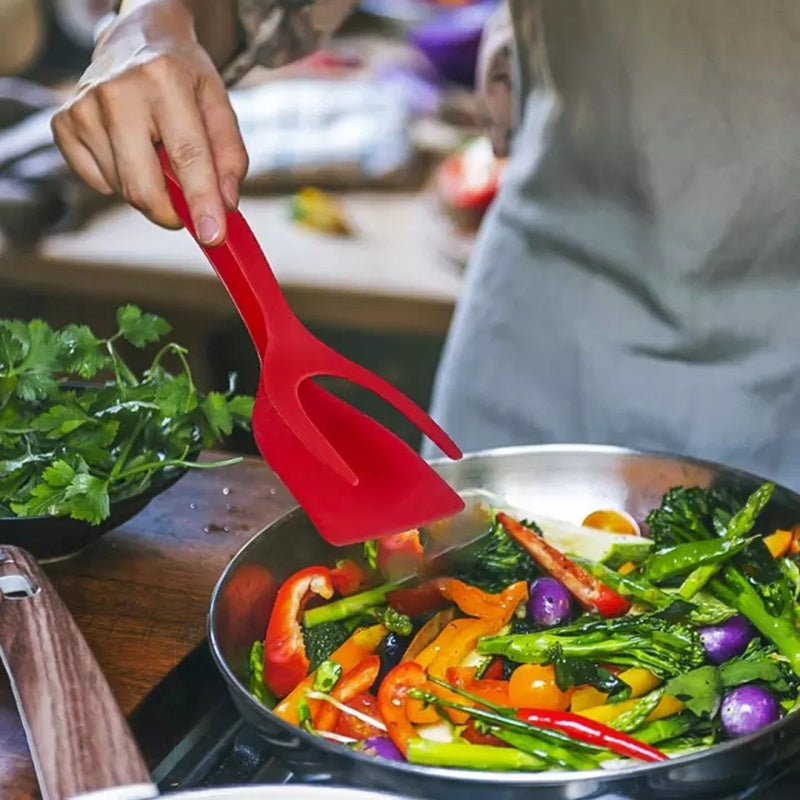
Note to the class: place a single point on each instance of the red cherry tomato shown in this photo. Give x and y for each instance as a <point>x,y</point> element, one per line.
<point>355,728</point>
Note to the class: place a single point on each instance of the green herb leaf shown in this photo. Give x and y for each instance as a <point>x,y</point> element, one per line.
<point>88,498</point>
<point>80,351</point>
<point>216,411</point>
<point>72,452</point>
<point>138,328</point>
<point>241,408</point>
<point>571,672</point>
<point>700,690</point>
<point>60,420</point>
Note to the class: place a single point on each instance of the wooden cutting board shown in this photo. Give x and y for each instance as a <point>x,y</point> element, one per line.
<point>140,594</point>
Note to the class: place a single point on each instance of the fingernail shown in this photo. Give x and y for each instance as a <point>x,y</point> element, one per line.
<point>207,230</point>
<point>230,189</point>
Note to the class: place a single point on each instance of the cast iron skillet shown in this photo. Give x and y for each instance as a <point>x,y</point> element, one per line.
<point>558,481</point>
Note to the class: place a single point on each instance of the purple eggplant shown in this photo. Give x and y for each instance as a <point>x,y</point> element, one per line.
<point>382,747</point>
<point>549,603</point>
<point>747,709</point>
<point>726,640</point>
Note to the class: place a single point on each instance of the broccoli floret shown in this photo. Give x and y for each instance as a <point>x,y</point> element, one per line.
<point>687,514</point>
<point>752,583</point>
<point>396,622</point>
<point>323,639</point>
<point>496,560</point>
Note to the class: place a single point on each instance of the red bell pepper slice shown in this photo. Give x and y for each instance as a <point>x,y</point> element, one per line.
<point>419,600</point>
<point>400,555</point>
<point>285,660</point>
<point>472,735</point>
<point>353,683</point>
<point>590,592</point>
<point>392,697</point>
<point>494,671</point>
<point>347,577</point>
<point>591,732</point>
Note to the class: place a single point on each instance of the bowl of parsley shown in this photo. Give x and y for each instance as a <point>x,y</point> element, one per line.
<point>85,442</point>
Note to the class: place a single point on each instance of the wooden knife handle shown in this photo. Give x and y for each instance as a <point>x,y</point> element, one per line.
<point>79,739</point>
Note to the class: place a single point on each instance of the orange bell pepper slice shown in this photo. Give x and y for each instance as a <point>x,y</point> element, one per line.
<point>353,683</point>
<point>393,699</point>
<point>472,601</point>
<point>490,689</point>
<point>778,543</point>
<point>452,647</point>
<point>363,642</point>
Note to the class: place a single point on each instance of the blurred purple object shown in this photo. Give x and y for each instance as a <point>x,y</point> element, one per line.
<point>450,39</point>
<point>420,90</point>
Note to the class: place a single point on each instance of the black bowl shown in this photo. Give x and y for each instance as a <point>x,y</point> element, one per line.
<point>54,538</point>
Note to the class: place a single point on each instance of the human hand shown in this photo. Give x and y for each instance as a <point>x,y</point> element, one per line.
<point>152,81</point>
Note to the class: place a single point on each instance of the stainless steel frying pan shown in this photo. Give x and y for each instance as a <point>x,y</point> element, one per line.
<point>557,481</point>
<point>79,739</point>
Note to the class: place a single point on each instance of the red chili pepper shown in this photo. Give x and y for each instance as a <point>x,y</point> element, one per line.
<point>592,593</point>
<point>355,682</point>
<point>400,555</point>
<point>591,732</point>
<point>392,697</point>
<point>347,577</point>
<point>472,601</point>
<point>285,660</point>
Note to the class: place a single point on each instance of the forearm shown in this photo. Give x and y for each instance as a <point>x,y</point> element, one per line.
<point>215,24</point>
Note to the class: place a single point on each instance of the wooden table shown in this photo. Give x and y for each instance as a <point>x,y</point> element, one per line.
<point>140,594</point>
<point>391,276</point>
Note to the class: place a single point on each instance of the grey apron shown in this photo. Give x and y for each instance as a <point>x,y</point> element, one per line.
<point>637,280</point>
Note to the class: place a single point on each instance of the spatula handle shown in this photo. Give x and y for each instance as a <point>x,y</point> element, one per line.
<point>77,735</point>
<point>239,259</point>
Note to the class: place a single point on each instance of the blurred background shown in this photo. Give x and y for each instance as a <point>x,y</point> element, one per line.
<point>369,176</point>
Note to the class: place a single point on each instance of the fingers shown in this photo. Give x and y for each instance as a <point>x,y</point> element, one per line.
<point>78,157</point>
<point>108,136</point>
<point>183,134</point>
<point>138,172</point>
<point>80,129</point>
<point>227,147</point>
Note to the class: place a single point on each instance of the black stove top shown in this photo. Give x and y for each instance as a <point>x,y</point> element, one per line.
<point>193,737</point>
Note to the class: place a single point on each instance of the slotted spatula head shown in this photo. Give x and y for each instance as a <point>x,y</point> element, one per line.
<point>364,482</point>
<point>397,490</point>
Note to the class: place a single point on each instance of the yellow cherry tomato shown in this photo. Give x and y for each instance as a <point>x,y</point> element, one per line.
<point>534,686</point>
<point>612,521</point>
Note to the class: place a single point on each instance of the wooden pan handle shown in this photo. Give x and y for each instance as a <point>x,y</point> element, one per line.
<point>78,737</point>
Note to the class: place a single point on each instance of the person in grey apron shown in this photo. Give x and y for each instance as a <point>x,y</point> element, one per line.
<point>636,279</point>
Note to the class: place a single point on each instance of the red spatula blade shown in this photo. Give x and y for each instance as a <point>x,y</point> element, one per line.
<point>397,490</point>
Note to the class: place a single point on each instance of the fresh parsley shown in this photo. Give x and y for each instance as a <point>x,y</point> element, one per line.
<point>79,429</point>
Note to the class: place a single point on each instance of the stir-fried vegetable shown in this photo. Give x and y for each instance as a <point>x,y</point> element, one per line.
<point>530,659</point>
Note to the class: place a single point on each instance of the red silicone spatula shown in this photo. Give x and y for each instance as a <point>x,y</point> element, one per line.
<point>355,479</point>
